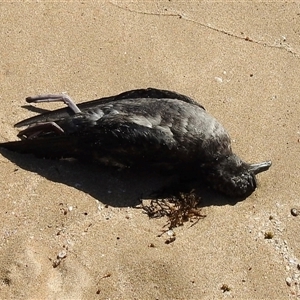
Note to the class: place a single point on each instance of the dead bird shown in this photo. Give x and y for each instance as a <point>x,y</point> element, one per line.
<point>144,128</point>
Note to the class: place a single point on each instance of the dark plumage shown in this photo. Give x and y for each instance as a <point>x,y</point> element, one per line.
<point>140,128</point>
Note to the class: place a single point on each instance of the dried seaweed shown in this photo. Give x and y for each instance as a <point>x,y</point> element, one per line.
<point>178,209</point>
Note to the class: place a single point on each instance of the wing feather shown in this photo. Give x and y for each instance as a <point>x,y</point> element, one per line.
<point>61,113</point>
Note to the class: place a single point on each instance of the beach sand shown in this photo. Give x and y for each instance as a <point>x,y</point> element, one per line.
<point>71,231</point>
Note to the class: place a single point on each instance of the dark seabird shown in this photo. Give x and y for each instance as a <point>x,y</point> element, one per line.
<point>146,128</point>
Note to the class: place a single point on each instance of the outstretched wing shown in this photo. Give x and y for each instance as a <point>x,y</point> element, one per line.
<point>58,114</point>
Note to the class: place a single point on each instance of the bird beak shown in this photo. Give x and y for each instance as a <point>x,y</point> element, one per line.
<point>260,167</point>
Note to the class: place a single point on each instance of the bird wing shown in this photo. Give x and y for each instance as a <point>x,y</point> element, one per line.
<point>128,132</point>
<point>61,113</point>
<point>116,141</point>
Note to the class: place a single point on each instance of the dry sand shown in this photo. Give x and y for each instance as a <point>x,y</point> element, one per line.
<point>241,61</point>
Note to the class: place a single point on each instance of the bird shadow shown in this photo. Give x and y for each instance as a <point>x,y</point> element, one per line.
<point>117,188</point>
<point>35,109</point>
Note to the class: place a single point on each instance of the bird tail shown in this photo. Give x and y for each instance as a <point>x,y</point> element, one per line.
<point>52,147</point>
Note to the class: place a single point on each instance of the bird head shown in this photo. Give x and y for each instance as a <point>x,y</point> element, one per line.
<point>233,177</point>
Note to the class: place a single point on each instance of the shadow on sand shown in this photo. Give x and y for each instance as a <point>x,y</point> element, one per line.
<point>111,186</point>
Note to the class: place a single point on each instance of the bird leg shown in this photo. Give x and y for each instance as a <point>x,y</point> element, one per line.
<point>35,130</point>
<point>53,98</point>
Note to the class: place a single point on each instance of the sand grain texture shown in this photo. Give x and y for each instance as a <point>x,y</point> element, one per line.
<point>240,61</point>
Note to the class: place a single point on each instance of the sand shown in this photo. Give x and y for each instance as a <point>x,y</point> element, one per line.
<point>70,231</point>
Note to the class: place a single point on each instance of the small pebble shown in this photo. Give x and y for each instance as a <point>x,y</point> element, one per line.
<point>170,232</point>
<point>292,261</point>
<point>62,254</point>
<point>288,281</point>
<point>170,240</point>
<point>225,288</point>
<point>269,235</point>
<point>295,212</point>
<point>56,263</point>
